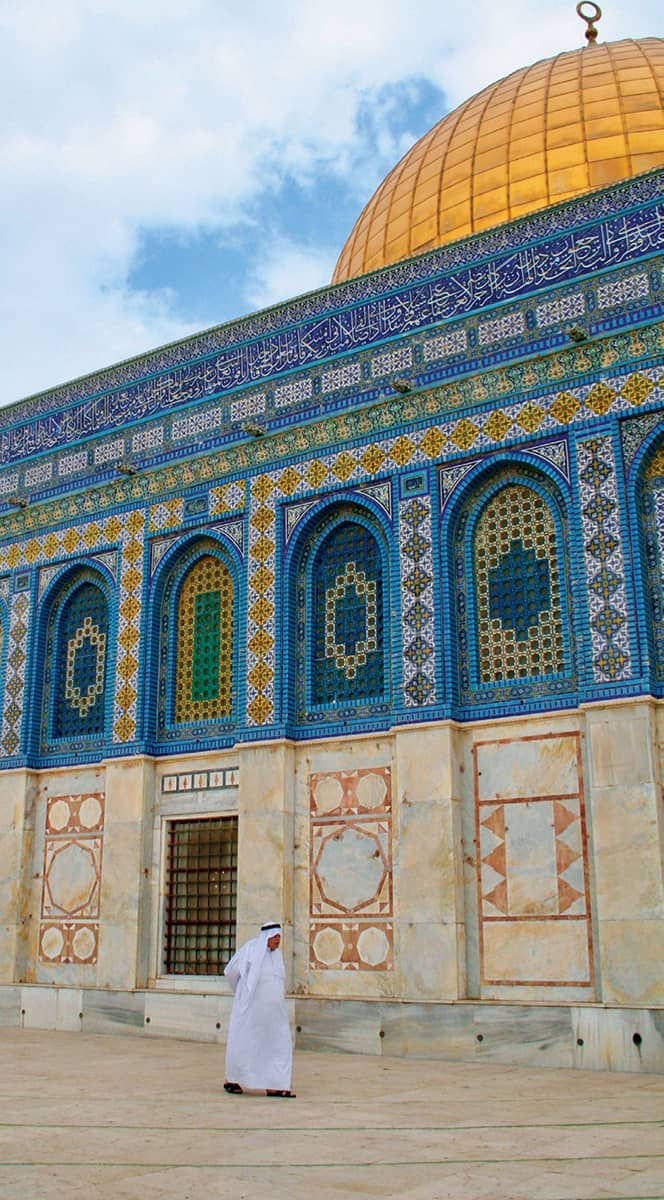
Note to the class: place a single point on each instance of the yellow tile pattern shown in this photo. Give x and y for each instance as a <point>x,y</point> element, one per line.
<point>546,133</point>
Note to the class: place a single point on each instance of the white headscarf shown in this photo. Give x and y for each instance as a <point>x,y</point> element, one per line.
<point>243,970</point>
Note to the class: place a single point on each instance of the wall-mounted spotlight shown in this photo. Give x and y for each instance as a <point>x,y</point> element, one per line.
<point>577,333</point>
<point>401,385</point>
<point>126,468</point>
<point>17,501</point>
<point>253,430</point>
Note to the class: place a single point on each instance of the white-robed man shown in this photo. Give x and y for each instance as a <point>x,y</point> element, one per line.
<point>259,1050</point>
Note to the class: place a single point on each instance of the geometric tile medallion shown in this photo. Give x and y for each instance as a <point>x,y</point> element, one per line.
<point>350,881</point>
<point>71,888</point>
<point>533,900</point>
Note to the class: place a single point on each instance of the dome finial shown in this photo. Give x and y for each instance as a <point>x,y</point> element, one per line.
<point>589,18</point>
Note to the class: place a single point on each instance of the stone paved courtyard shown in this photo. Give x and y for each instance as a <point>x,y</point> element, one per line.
<point>126,1117</point>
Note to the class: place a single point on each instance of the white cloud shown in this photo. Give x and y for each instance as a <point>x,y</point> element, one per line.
<point>288,269</point>
<point>117,117</point>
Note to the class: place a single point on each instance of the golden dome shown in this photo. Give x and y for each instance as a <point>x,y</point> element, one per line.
<point>582,120</point>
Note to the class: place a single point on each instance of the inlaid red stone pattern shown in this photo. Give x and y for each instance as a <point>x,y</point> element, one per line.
<point>71,889</point>
<point>350,894</point>
<point>533,893</point>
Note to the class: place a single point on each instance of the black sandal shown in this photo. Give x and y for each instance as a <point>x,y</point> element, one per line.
<point>284,1094</point>
<point>233,1089</point>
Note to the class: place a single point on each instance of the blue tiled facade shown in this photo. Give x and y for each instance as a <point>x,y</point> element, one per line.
<point>488,541</point>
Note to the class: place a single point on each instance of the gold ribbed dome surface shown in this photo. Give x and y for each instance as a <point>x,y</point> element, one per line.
<point>582,120</point>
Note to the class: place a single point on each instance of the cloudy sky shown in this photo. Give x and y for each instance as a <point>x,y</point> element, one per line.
<point>167,165</point>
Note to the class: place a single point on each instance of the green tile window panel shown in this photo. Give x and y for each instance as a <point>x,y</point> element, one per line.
<point>207,641</point>
<point>520,631</point>
<point>200,895</point>
<point>205,631</point>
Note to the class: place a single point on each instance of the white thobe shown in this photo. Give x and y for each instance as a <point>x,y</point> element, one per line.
<point>259,1050</point>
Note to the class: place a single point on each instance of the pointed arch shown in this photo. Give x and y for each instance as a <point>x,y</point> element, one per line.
<point>74,647</point>
<point>339,625</point>
<point>649,546</point>
<point>195,615</point>
<point>510,587</point>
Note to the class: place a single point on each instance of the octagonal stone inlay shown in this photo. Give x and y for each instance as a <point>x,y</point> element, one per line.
<point>350,869</point>
<point>72,877</point>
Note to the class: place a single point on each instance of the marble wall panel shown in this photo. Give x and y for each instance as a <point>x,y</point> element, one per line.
<point>549,953</point>
<point>618,1039</point>
<point>19,890</point>
<point>265,842</point>
<point>430,957</point>
<point>429,1031</point>
<point>105,1011</point>
<point>632,953</point>
<point>628,838</point>
<point>524,1036</point>
<point>348,1025</point>
<point>198,1017</point>
<point>10,1006</point>
<point>620,748</point>
<point>125,929</point>
<point>69,1009</point>
<point>532,766</point>
<point>39,1007</point>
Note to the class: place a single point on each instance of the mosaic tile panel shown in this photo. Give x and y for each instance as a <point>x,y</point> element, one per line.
<point>72,873</point>
<point>604,560</point>
<point>205,650</point>
<point>563,308</point>
<point>15,664</point>
<point>147,439</point>
<point>620,392</point>
<point>351,905</point>
<point>8,484</point>
<point>227,498</point>
<point>417,602</point>
<point>631,287</point>
<point>533,892</point>
<point>79,640</point>
<point>296,392</point>
<point>109,451</point>
<point>261,603</point>
<point>650,500</point>
<point>165,515</point>
<point>518,592</point>
<point>196,423</point>
<point>555,453</point>
<point>495,330</point>
<point>635,431</point>
<point>248,406</point>
<point>393,360</point>
<point>447,344</point>
<point>125,701</point>
<point>69,464</point>
<point>345,660</point>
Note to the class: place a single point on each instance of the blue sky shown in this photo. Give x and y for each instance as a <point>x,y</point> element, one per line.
<point>293,229</point>
<point>170,166</point>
